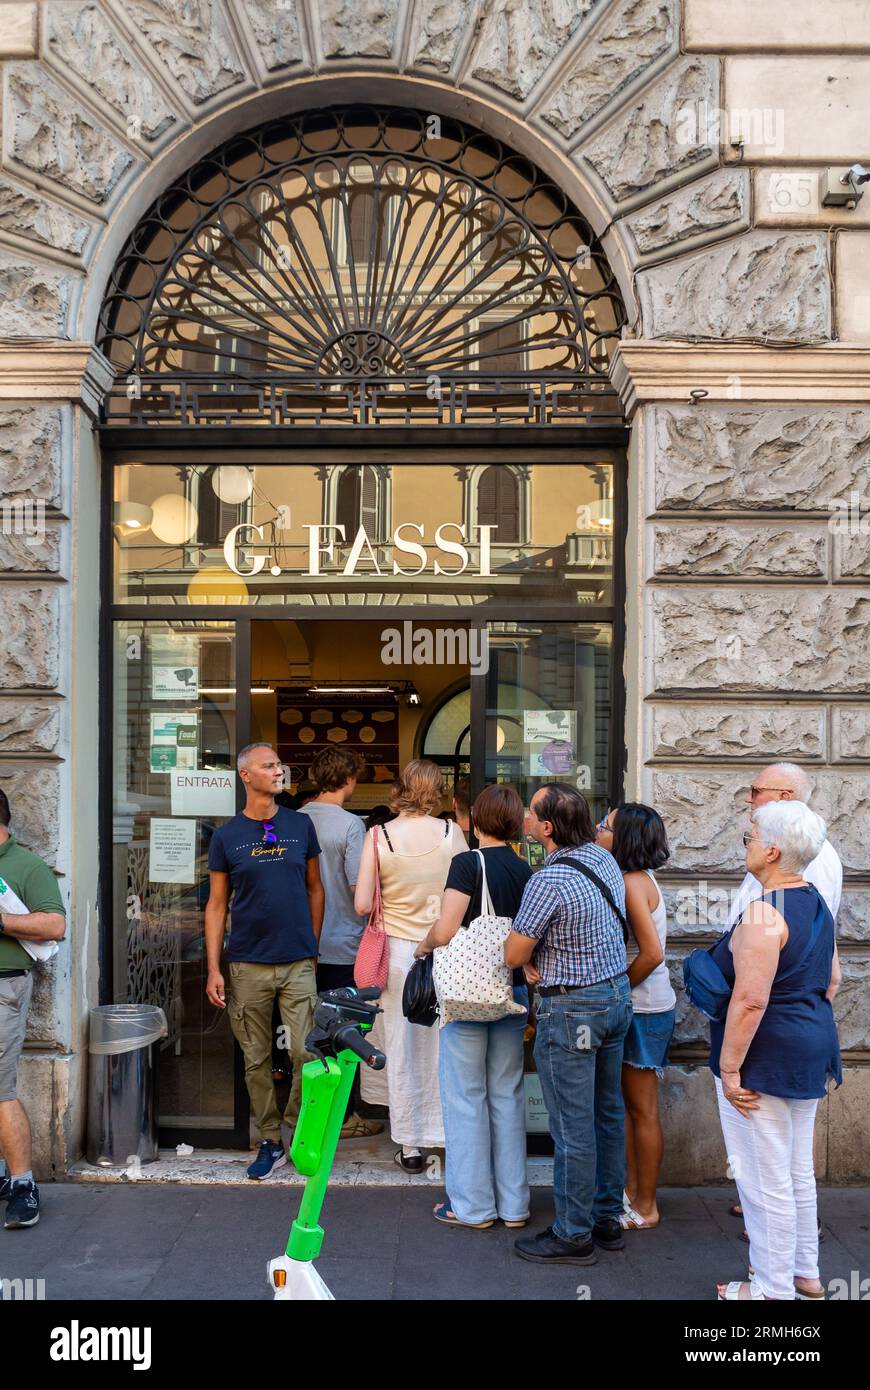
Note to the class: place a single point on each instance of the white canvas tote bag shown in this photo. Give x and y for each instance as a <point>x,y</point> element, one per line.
<point>472,982</point>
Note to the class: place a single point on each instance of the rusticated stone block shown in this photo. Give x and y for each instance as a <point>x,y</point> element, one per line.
<point>34,800</point>
<point>804,640</point>
<point>718,203</point>
<point>34,299</point>
<point>27,214</point>
<point>52,134</point>
<point>358,28</point>
<point>632,35</point>
<point>705,814</point>
<point>698,908</point>
<point>727,550</point>
<point>29,637</point>
<point>46,1015</point>
<point>438,28</point>
<point>33,548</point>
<point>31,453</point>
<point>849,1127</point>
<point>195,42</point>
<point>760,732</point>
<point>853,919</point>
<point>694,1147</point>
<point>851,733</point>
<point>659,135</point>
<point>690,1027</point>
<point>775,285</point>
<point>29,726</point>
<point>276,28</point>
<point>520,38</point>
<point>852,1004</point>
<point>853,554</point>
<point>83,41</point>
<point>758,459</point>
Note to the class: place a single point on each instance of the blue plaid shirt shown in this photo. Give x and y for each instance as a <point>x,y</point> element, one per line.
<point>579,936</point>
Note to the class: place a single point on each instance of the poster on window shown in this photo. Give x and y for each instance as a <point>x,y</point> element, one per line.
<point>545,725</point>
<point>172,851</point>
<point>174,739</point>
<point>175,682</point>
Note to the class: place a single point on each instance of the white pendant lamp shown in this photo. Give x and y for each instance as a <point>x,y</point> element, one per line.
<point>232,483</point>
<point>174,520</point>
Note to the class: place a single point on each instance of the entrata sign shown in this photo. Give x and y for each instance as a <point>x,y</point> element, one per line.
<point>407,541</point>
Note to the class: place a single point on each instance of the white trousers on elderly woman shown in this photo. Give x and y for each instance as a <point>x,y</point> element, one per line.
<point>770,1155</point>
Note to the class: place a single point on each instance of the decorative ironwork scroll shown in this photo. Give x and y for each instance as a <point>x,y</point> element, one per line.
<point>349,267</point>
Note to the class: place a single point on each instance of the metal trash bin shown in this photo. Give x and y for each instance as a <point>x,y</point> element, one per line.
<point>122,1083</point>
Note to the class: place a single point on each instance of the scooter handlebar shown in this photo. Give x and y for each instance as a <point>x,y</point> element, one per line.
<point>350,1037</point>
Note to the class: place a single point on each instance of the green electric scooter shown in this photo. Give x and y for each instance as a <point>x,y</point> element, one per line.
<point>341,1018</point>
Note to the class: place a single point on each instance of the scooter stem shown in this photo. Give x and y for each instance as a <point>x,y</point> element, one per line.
<point>324,1084</point>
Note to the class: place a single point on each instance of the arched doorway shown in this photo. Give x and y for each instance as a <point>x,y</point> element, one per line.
<point>362,448</point>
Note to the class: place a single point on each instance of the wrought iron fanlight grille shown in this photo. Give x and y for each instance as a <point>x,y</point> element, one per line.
<point>361,267</point>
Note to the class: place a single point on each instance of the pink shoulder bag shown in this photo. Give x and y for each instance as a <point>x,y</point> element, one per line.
<point>373,957</point>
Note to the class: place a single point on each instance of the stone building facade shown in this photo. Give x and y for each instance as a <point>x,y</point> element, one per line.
<point>692,135</point>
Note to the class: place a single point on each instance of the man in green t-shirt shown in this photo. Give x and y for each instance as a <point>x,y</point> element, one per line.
<point>24,875</point>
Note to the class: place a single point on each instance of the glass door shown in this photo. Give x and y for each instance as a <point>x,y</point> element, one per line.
<point>176,735</point>
<point>548,710</point>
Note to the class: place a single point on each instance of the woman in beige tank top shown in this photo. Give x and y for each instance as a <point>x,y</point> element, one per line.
<point>415,851</point>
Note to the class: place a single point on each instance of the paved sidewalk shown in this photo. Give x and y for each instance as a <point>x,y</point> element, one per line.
<point>153,1242</point>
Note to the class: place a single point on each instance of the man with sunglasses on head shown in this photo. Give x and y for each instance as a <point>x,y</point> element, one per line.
<point>265,861</point>
<point>788,782</point>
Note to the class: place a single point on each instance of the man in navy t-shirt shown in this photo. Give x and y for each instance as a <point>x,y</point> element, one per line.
<point>266,860</point>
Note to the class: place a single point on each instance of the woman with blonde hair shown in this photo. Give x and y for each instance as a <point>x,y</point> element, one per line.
<point>413,854</point>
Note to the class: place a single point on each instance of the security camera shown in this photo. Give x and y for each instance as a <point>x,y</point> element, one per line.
<point>856,174</point>
<point>844,188</point>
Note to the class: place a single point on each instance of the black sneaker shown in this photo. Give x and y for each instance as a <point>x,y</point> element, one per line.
<point>5,1188</point>
<point>546,1248</point>
<point>23,1208</point>
<point>414,1164</point>
<point>269,1157</point>
<point>608,1234</point>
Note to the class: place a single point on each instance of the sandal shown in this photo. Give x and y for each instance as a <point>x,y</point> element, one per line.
<point>358,1127</point>
<point>732,1291</point>
<point>443,1214</point>
<point>632,1220</point>
<point>516,1225</point>
<point>800,1294</point>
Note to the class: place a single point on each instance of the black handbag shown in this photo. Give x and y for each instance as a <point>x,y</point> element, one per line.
<point>419,1004</point>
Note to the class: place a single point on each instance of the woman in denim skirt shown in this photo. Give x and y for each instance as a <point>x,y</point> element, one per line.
<point>635,836</point>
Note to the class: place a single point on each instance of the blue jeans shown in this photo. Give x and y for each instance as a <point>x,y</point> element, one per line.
<point>578,1053</point>
<point>480,1070</point>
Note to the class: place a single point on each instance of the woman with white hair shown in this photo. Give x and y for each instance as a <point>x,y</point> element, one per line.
<point>775,1050</point>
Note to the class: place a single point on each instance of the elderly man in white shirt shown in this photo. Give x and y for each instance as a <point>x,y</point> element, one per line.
<point>788,782</point>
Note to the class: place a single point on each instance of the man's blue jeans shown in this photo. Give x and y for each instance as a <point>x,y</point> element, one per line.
<point>578,1053</point>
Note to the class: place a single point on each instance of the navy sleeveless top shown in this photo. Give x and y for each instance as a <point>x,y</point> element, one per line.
<point>795,1050</point>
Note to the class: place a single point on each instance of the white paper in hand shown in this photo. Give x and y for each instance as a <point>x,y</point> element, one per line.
<point>12,904</point>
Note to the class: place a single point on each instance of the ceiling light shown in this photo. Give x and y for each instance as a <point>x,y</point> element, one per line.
<point>174,520</point>
<point>232,484</point>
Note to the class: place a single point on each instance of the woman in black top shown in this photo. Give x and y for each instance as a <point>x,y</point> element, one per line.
<point>480,1065</point>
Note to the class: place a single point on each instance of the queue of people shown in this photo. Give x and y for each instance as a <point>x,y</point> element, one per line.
<point>585,937</point>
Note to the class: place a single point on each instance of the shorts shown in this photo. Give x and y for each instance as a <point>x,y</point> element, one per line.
<point>648,1039</point>
<point>15,992</point>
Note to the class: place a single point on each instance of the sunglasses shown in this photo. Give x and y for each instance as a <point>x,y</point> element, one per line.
<point>750,839</point>
<point>269,836</point>
<point>755,791</point>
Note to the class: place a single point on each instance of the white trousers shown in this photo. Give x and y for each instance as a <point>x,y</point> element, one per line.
<point>411,1073</point>
<point>770,1155</point>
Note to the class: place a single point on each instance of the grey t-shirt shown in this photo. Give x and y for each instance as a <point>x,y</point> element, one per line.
<point>341,837</point>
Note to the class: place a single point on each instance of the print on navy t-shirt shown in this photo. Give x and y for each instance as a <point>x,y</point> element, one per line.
<point>271,920</point>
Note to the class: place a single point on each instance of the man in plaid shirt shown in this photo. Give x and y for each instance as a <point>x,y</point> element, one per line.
<point>570,942</point>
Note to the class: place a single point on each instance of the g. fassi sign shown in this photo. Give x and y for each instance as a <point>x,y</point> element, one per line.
<point>449,539</point>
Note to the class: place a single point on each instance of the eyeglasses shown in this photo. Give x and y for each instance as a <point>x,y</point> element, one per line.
<point>269,836</point>
<point>754,791</point>
<point>750,839</point>
<point>602,825</point>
